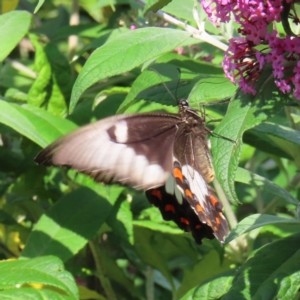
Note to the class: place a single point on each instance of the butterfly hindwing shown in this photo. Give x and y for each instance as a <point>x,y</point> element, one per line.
<point>182,214</point>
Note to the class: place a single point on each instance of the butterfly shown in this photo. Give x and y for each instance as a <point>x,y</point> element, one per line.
<point>145,150</point>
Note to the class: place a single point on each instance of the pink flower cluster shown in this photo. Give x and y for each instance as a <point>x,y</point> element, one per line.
<point>246,55</point>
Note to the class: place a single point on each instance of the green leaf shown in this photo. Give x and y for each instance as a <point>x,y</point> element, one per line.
<point>38,92</point>
<point>150,87</point>
<point>34,123</point>
<point>114,272</point>
<point>148,250</point>
<point>10,77</point>
<point>6,218</point>
<point>10,161</point>
<point>209,89</point>
<point>68,225</point>
<point>250,178</point>
<point>186,64</point>
<point>271,272</point>
<point>120,55</point>
<point>213,288</point>
<point>256,221</point>
<point>46,272</point>
<point>53,83</point>
<point>16,95</point>
<point>155,5</point>
<point>110,192</point>
<point>284,137</point>
<point>38,6</point>
<point>181,10</point>
<point>158,88</point>
<point>102,37</point>
<point>261,141</point>
<point>244,112</point>
<point>158,227</point>
<point>200,272</point>
<point>120,220</point>
<point>13,26</point>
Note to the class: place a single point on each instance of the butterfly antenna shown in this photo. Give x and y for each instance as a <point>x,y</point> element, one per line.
<point>179,71</point>
<point>224,138</point>
<point>174,98</point>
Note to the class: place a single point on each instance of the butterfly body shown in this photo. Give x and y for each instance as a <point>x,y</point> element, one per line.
<point>143,151</point>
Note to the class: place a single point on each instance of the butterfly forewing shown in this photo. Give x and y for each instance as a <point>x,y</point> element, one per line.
<point>130,149</point>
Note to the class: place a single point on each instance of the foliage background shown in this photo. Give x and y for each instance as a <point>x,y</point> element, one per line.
<point>62,236</point>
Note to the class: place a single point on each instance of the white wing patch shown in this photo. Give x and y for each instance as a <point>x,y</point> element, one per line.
<point>121,132</point>
<point>196,182</point>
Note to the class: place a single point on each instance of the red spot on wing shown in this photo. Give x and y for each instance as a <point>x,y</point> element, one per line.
<point>184,221</point>
<point>157,193</point>
<point>170,207</point>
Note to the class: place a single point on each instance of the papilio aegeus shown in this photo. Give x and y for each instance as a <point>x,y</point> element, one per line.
<point>144,150</point>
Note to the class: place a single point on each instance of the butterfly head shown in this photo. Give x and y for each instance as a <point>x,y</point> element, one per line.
<point>183,103</point>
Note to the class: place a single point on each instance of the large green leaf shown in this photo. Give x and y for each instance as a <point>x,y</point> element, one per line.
<point>36,124</point>
<point>52,87</point>
<point>155,5</point>
<point>68,225</point>
<point>204,269</point>
<point>213,288</point>
<point>256,221</point>
<point>120,55</point>
<point>13,26</point>
<point>250,178</point>
<point>36,278</point>
<point>244,112</point>
<point>285,138</point>
<point>271,272</point>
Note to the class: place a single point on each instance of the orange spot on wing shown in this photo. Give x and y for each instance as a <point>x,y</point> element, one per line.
<point>218,221</point>
<point>199,208</point>
<point>157,194</point>
<point>184,221</point>
<point>178,174</point>
<point>198,226</point>
<point>188,193</point>
<point>213,200</point>
<point>170,207</point>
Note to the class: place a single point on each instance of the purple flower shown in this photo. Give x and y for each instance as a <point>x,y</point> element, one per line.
<point>247,55</point>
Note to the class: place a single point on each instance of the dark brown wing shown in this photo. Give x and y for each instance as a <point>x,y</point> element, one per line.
<point>130,149</point>
<point>193,170</point>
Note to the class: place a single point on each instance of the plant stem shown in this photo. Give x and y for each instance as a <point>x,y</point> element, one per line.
<point>100,269</point>
<point>149,283</point>
<point>196,33</point>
